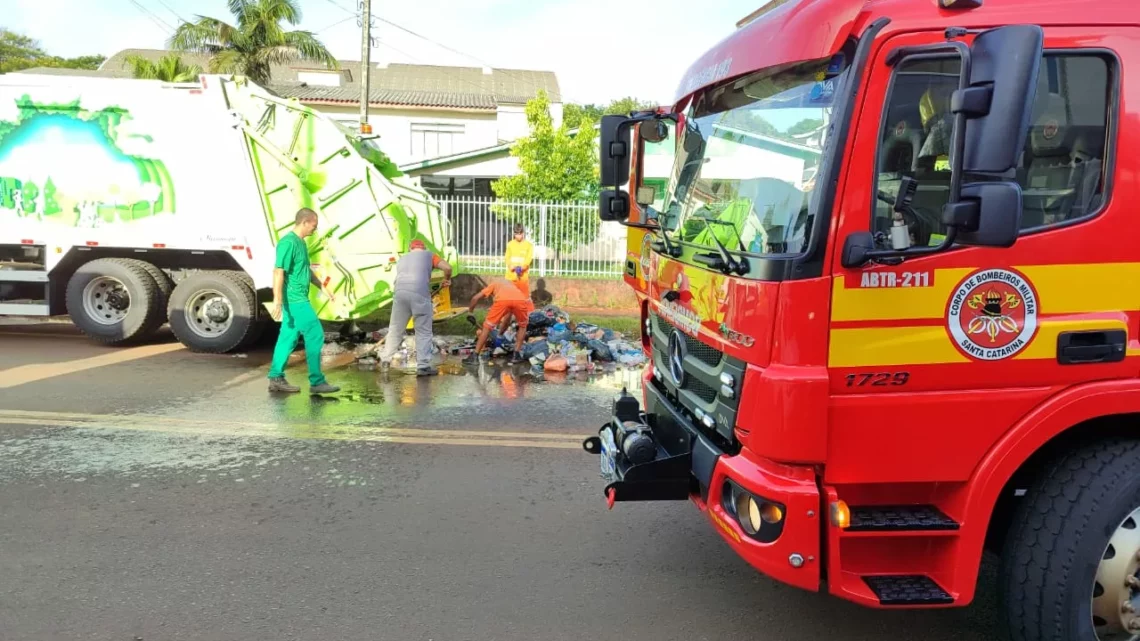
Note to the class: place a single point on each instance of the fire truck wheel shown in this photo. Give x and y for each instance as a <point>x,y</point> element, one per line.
<point>114,301</point>
<point>213,312</point>
<point>1071,566</point>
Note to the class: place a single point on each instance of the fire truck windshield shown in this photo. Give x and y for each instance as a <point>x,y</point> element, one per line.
<point>747,159</point>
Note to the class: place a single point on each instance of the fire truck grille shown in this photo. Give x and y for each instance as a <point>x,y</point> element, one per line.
<point>697,349</point>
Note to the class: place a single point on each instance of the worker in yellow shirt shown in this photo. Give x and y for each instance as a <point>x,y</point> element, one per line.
<point>520,253</point>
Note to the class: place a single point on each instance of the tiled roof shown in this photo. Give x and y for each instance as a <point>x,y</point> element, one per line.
<point>350,94</point>
<point>396,84</point>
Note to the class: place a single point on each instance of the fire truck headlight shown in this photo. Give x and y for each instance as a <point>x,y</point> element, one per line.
<point>753,514</point>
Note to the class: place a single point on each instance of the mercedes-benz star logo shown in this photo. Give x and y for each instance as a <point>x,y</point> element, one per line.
<point>676,356</point>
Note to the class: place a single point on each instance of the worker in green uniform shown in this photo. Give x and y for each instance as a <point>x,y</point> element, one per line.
<point>292,276</point>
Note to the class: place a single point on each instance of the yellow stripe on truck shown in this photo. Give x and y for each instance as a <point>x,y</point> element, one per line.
<point>1061,289</point>
<point>868,346</point>
<point>931,345</point>
<point>854,303</point>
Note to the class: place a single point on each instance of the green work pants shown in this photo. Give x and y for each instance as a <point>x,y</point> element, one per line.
<point>299,319</point>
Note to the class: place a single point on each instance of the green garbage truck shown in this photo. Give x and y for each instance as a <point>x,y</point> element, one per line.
<point>127,204</point>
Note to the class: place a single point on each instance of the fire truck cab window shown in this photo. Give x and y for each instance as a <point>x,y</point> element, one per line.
<point>1061,172</point>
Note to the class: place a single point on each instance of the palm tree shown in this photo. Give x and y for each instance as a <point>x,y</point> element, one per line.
<point>169,68</point>
<point>257,42</point>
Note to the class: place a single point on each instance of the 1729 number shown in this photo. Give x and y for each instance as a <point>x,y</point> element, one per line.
<point>881,379</point>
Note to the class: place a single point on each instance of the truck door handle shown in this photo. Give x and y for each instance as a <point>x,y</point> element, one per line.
<point>1096,346</point>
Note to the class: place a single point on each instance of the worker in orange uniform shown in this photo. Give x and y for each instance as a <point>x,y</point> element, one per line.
<point>520,254</point>
<point>508,300</point>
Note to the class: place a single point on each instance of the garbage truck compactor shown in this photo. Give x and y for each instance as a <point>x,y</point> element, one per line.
<point>126,204</point>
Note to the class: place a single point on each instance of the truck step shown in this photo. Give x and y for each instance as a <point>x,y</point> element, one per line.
<point>913,589</point>
<point>899,518</point>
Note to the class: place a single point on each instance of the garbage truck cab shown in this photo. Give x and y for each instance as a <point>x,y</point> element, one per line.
<point>892,305</point>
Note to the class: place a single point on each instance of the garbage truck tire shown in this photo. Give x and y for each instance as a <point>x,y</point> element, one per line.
<point>165,287</point>
<point>213,312</point>
<point>114,301</point>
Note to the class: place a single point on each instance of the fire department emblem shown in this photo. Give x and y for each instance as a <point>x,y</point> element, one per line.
<point>992,314</point>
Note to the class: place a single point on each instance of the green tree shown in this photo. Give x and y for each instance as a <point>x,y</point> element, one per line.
<point>19,52</point>
<point>623,106</point>
<point>574,114</point>
<point>554,166</point>
<point>805,126</point>
<point>256,43</point>
<point>169,68</point>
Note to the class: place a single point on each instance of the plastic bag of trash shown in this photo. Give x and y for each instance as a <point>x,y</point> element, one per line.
<point>600,350</point>
<point>586,328</point>
<point>539,320</point>
<point>559,336</point>
<point>556,363</point>
<point>631,358</point>
<point>331,350</point>
<point>530,350</point>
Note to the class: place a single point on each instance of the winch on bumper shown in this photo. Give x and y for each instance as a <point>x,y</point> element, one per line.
<point>766,511</point>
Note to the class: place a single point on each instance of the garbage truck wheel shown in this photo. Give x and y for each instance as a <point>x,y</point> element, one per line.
<point>164,284</point>
<point>114,301</point>
<point>213,312</point>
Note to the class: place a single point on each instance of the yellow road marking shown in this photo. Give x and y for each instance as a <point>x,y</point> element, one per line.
<point>174,425</point>
<point>25,374</point>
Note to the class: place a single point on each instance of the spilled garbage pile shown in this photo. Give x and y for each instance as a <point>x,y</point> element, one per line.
<point>558,344</point>
<point>554,343</point>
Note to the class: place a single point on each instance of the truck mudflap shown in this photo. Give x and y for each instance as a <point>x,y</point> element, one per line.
<point>634,464</point>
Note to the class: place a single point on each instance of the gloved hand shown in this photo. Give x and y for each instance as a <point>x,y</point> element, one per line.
<point>518,271</point>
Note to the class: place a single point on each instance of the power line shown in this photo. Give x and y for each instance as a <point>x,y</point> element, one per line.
<point>506,72</point>
<point>159,22</point>
<point>335,24</point>
<point>176,14</point>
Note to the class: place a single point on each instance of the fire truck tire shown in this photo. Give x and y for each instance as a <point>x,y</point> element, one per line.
<point>114,301</point>
<point>1071,565</point>
<point>213,312</point>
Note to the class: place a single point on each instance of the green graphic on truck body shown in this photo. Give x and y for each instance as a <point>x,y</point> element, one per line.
<point>64,164</point>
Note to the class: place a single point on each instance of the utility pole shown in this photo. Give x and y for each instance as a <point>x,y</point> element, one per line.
<point>365,22</point>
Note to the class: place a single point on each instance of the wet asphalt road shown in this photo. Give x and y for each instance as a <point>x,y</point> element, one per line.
<point>157,494</point>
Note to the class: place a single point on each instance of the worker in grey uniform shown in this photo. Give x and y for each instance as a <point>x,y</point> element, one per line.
<point>412,299</point>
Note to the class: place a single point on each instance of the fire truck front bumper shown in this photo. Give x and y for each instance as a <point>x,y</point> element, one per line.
<point>768,513</point>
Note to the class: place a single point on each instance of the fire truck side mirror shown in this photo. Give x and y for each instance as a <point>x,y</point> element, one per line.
<point>614,151</point>
<point>994,214</point>
<point>614,205</point>
<point>653,131</point>
<point>998,101</point>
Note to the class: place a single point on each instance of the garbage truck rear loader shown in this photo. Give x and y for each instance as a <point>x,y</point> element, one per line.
<point>129,203</point>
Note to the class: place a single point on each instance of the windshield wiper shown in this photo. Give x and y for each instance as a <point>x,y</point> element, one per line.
<point>725,262</point>
<point>667,244</point>
<point>739,240</point>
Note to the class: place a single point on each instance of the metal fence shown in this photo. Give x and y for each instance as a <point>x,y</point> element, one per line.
<point>568,237</point>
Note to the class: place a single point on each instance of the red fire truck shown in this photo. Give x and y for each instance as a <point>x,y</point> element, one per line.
<point>893,306</point>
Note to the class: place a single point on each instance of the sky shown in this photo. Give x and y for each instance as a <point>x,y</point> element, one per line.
<point>600,49</point>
